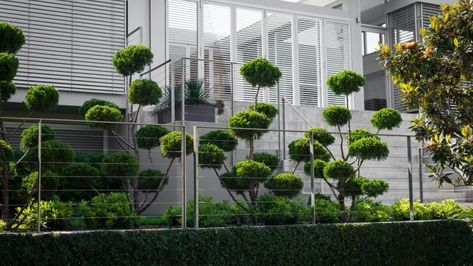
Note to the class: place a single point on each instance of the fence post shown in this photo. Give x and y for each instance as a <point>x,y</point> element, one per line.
<point>183,93</point>
<point>279,121</point>
<point>421,185</point>
<point>312,184</point>
<point>283,128</point>
<point>409,174</point>
<point>183,165</point>
<point>232,88</point>
<point>40,124</point>
<point>196,175</point>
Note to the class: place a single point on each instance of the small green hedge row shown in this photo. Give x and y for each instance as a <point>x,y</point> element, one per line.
<point>401,243</point>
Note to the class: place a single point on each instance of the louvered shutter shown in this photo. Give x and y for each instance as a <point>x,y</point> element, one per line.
<point>279,28</point>
<point>337,52</point>
<point>69,44</point>
<point>249,38</point>
<point>429,10</point>
<point>310,61</point>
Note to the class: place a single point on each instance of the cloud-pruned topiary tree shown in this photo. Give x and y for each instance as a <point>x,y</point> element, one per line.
<point>285,184</point>
<point>433,75</point>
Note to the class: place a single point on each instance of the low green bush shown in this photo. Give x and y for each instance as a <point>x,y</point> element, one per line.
<point>370,211</point>
<point>28,219</point>
<point>327,211</point>
<point>447,209</point>
<point>400,211</point>
<point>273,210</point>
<point>3,225</point>
<point>110,211</point>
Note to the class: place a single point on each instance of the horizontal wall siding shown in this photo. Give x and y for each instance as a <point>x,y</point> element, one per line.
<point>69,44</point>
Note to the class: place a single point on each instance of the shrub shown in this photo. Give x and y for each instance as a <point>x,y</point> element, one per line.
<point>252,172</point>
<point>220,138</point>
<point>171,144</point>
<point>447,209</point>
<point>273,210</point>
<point>248,120</point>
<point>374,187</point>
<point>211,156</point>
<point>265,108</point>
<point>11,38</point>
<point>7,89</point>
<point>336,115</point>
<point>78,182</point>
<point>3,225</point>
<point>6,151</point>
<point>285,184</point>
<point>112,211</point>
<point>49,184</point>
<point>299,150</point>
<point>144,92</point>
<point>386,118</point>
<point>120,165</point>
<point>132,59</point>
<point>148,136</point>
<point>369,149</point>
<point>259,72</point>
<point>29,136</point>
<point>9,66</point>
<point>233,182</point>
<point>151,179</point>
<point>360,133</point>
<point>327,211</point>
<point>55,155</point>
<point>28,219</point>
<point>42,98</point>
<point>103,113</point>
<point>400,211</point>
<point>338,169</point>
<point>345,82</point>
<point>319,166</point>
<point>320,135</point>
<point>270,160</point>
<point>370,211</point>
<point>93,102</point>
<point>94,159</point>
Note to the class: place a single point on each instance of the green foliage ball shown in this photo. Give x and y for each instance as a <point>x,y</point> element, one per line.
<point>8,66</point>
<point>93,102</point>
<point>374,187</point>
<point>144,92</point>
<point>171,144</point>
<point>148,136</point>
<point>78,182</point>
<point>29,136</point>
<point>265,108</point>
<point>132,59</point>
<point>386,118</point>
<point>6,151</point>
<point>299,150</point>
<point>220,138</point>
<point>42,98</point>
<point>321,135</point>
<point>111,210</point>
<point>211,156</point>
<point>270,160</point>
<point>260,72</point>
<point>55,155</point>
<point>337,115</point>
<point>319,166</point>
<point>11,38</point>
<point>249,120</point>
<point>151,179</point>
<point>361,133</point>
<point>120,165</point>
<point>103,113</point>
<point>7,89</point>
<point>345,82</point>
<point>233,182</point>
<point>369,149</point>
<point>338,169</point>
<point>285,184</point>
<point>252,172</point>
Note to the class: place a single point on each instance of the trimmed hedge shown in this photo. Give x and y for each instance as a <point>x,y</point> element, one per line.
<point>417,243</point>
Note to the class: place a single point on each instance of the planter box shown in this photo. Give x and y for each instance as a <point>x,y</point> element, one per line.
<point>194,112</point>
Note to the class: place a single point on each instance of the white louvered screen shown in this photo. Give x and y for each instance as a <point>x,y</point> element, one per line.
<point>429,10</point>
<point>69,44</point>
<point>216,40</point>
<point>337,52</point>
<point>310,61</point>
<point>249,38</point>
<point>279,28</point>
<point>182,32</point>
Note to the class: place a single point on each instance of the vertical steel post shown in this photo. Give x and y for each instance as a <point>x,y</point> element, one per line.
<point>196,177</point>
<point>283,128</point>
<point>183,165</point>
<point>232,88</point>
<point>279,120</point>
<point>40,124</point>
<point>312,181</point>
<point>421,185</point>
<point>183,100</point>
<point>409,174</point>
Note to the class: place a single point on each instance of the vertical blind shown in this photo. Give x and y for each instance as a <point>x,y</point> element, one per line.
<point>69,44</point>
<point>306,53</point>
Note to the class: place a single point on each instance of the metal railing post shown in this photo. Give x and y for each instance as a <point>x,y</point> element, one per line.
<point>409,175</point>
<point>196,175</point>
<point>283,129</point>
<point>183,88</point>
<point>183,165</point>
<point>232,107</point>
<point>279,120</point>
<point>40,124</point>
<point>312,181</point>
<point>421,185</point>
